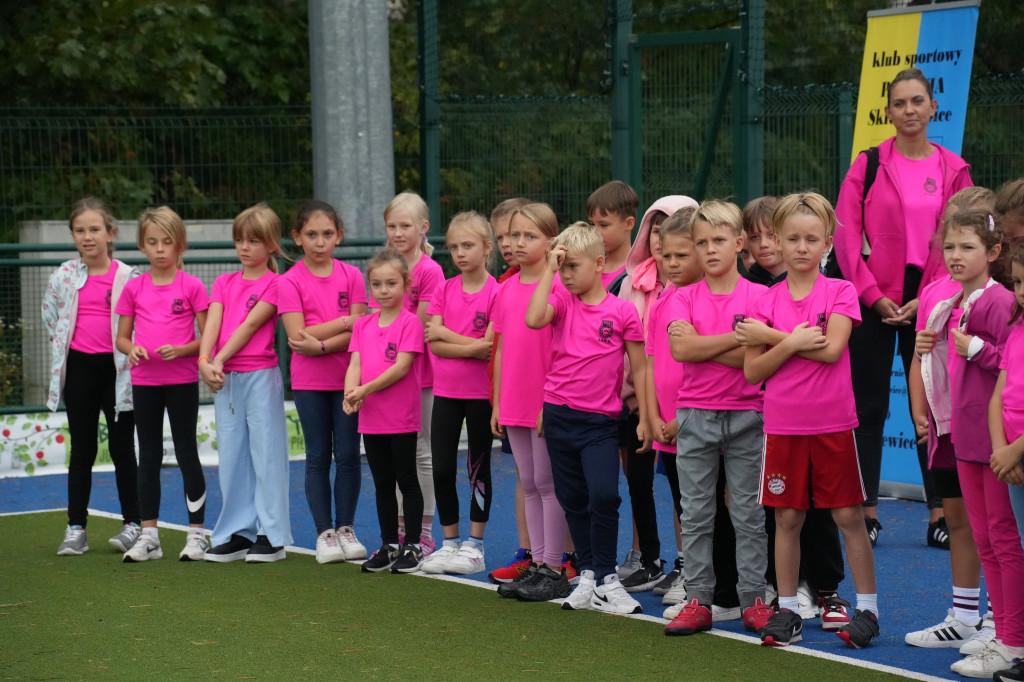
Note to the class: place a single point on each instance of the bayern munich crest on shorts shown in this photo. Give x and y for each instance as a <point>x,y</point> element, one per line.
<point>776,484</point>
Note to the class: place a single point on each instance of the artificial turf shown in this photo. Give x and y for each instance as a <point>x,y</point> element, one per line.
<point>94,617</point>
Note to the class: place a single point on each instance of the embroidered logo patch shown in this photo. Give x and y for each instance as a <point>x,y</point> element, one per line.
<point>342,300</point>
<point>178,306</point>
<point>604,332</point>
<point>251,303</point>
<point>930,186</point>
<point>776,484</point>
<point>391,352</point>
<point>480,321</point>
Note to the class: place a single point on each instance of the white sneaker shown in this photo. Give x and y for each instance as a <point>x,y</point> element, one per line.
<point>438,560</point>
<point>720,614</point>
<point>949,633</point>
<point>979,641</point>
<point>983,665</point>
<point>350,544</point>
<point>676,594</point>
<point>328,549</point>
<point>808,607</point>
<point>673,611</point>
<point>195,547</point>
<point>583,594</point>
<point>611,597</point>
<point>145,548</point>
<point>469,559</point>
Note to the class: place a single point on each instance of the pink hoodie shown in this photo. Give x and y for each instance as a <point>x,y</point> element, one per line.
<point>640,285</point>
<point>881,274</point>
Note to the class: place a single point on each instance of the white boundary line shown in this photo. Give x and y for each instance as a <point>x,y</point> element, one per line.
<point>804,651</point>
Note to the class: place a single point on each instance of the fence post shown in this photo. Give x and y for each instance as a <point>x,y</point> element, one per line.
<point>430,109</point>
<point>845,114</point>
<point>748,144</point>
<point>622,27</point>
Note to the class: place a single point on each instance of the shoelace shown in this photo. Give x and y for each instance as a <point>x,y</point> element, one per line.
<point>347,534</point>
<point>73,533</point>
<point>331,540</point>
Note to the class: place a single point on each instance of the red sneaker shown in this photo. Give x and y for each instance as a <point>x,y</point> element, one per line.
<point>569,568</point>
<point>756,617</point>
<point>834,612</point>
<point>506,574</point>
<point>692,619</point>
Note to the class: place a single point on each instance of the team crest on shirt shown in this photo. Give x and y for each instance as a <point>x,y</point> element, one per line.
<point>480,321</point>
<point>736,319</point>
<point>391,352</point>
<point>604,332</point>
<point>822,322</point>
<point>342,300</point>
<point>776,484</point>
<point>251,303</point>
<point>414,294</point>
<point>178,306</point>
<point>109,294</point>
<point>930,186</point>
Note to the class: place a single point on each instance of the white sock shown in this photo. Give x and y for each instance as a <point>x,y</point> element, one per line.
<point>965,604</point>
<point>196,531</point>
<point>1015,651</point>
<point>152,532</point>
<point>868,602</point>
<point>791,603</point>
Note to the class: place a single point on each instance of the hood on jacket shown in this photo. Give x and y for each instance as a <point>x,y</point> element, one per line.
<point>641,249</point>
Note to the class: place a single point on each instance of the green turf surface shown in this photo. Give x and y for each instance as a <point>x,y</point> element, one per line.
<point>95,617</point>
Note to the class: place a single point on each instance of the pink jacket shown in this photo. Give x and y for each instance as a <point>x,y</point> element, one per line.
<point>884,225</point>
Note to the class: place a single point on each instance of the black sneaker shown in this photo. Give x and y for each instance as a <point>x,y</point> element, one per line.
<point>381,560</point>
<point>545,586</point>
<point>662,588</point>
<point>862,629</point>
<point>645,579</point>
<point>1014,674</point>
<point>784,627</point>
<point>409,560</point>
<point>938,534</point>
<point>234,549</point>
<point>262,552</point>
<point>508,590</point>
<point>874,527</point>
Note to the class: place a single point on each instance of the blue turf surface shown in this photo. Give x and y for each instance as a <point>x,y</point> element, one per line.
<point>913,580</point>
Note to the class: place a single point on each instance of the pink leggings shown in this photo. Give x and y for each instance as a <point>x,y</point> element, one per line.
<point>545,519</point>
<point>995,533</point>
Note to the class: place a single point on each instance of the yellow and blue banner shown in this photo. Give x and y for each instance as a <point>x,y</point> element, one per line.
<point>939,40</point>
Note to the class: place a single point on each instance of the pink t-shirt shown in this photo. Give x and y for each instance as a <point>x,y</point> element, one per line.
<point>940,290</point>
<point>668,374</point>
<point>588,350</point>
<point>239,296</point>
<point>92,322</point>
<point>396,409</point>
<point>320,299</point>
<point>608,277</point>
<point>525,355</point>
<point>1013,394</point>
<point>920,185</point>
<point>426,276</point>
<point>164,314</point>
<point>711,385</point>
<point>806,396</point>
<point>468,315</point>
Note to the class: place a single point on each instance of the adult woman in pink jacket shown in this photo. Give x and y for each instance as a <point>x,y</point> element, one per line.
<point>886,246</point>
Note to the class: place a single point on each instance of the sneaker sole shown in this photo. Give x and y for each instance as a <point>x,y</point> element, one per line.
<point>355,555</point>
<point>645,587</point>
<point>68,551</point>
<point>566,606</point>
<point>226,558</point>
<point>331,559</point>
<point>835,626</point>
<point>184,556</point>
<point>935,643</point>
<point>464,570</point>
<point>119,546</point>
<point>265,558</point>
<point>159,554</point>
<point>370,569</point>
<point>771,641</point>
<point>684,632</point>
<point>845,636</point>
<point>414,569</point>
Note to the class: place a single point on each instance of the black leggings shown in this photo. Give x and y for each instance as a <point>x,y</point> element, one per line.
<point>871,350</point>
<point>182,404</point>
<point>639,470</point>
<point>392,460</point>
<point>88,390</point>
<point>445,430</point>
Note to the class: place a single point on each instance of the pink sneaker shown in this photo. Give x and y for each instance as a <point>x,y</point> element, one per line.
<point>692,619</point>
<point>756,617</point>
<point>427,544</point>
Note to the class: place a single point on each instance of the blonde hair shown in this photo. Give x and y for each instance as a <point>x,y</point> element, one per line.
<point>973,197</point>
<point>581,239</point>
<point>540,215</point>
<point>389,256</point>
<point>719,213</point>
<point>94,204</point>
<point>805,203</point>
<point>679,224</point>
<point>414,204</point>
<point>168,221</point>
<point>259,222</point>
<point>478,225</point>
<point>506,208</point>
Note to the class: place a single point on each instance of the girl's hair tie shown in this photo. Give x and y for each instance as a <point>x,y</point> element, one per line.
<point>991,223</point>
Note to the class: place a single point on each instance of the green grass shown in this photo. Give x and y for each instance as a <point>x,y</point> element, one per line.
<point>93,617</point>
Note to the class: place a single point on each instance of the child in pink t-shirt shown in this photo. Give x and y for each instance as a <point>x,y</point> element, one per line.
<point>590,329</point>
<point>248,400</point>
<point>320,300</point>
<point>406,220</point>
<point>806,321</point>
<point>382,386</point>
<point>459,333</point>
<point>159,312</point>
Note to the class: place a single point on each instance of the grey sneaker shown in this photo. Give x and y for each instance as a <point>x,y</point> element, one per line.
<point>630,566</point>
<point>126,537</point>
<point>76,542</point>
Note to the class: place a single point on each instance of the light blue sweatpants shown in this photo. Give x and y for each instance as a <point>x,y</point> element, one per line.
<point>252,445</point>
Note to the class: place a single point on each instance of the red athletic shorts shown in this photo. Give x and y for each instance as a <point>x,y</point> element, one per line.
<point>823,466</point>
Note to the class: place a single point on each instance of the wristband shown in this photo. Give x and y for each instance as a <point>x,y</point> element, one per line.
<point>323,348</point>
<point>345,320</point>
<point>203,357</point>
